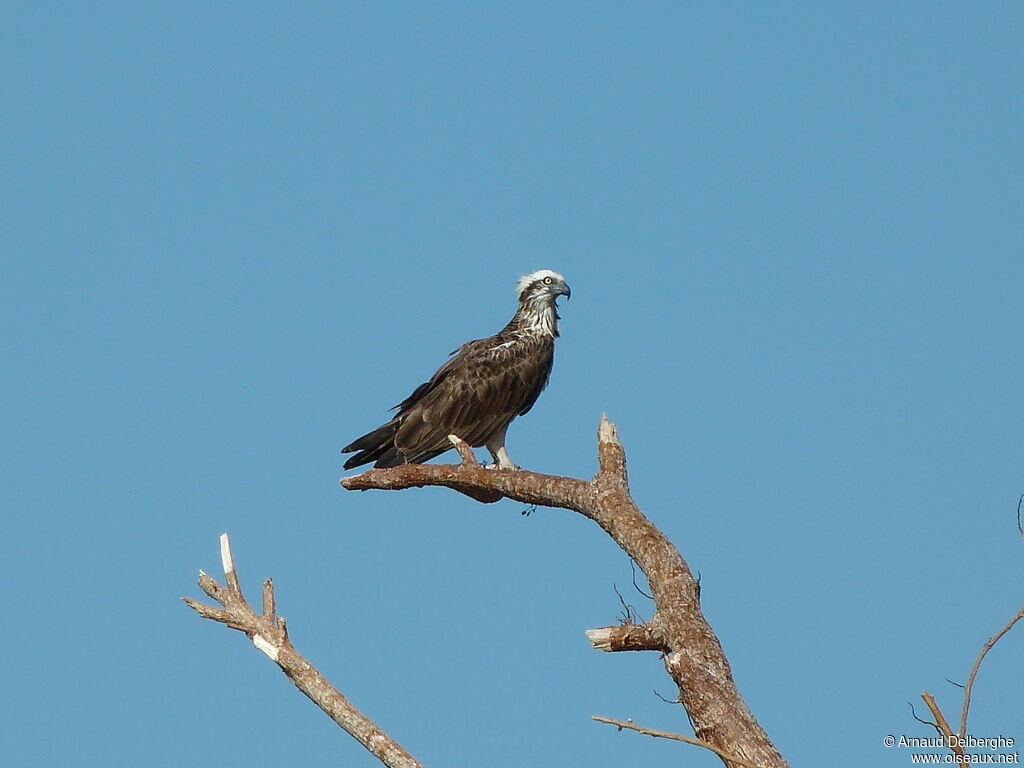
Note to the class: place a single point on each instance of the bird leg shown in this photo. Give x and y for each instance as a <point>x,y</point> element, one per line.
<point>496,446</point>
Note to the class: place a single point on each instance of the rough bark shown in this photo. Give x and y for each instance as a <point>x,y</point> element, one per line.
<point>692,655</point>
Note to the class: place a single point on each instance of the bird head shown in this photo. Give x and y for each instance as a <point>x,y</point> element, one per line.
<point>543,285</point>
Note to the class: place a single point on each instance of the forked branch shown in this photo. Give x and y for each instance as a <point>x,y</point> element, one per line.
<point>691,652</point>
<point>969,686</point>
<point>269,633</point>
<point>941,724</point>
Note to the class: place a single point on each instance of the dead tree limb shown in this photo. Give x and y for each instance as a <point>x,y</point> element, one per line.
<point>269,633</point>
<point>969,685</point>
<point>692,654</point>
<point>942,726</point>
<point>954,740</point>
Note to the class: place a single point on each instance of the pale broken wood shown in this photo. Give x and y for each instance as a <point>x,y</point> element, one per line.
<point>269,633</point>
<point>624,637</point>
<point>600,638</point>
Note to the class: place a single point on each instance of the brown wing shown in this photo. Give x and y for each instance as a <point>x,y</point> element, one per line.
<point>475,394</point>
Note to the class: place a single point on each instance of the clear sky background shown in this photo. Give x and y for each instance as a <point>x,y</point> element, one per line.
<point>235,234</point>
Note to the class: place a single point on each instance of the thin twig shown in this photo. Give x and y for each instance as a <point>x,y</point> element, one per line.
<point>667,701</point>
<point>977,664</point>
<point>922,720</point>
<point>1020,528</point>
<point>632,566</point>
<point>620,724</point>
<point>629,614</point>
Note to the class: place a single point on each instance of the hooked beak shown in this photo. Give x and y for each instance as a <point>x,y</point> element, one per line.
<point>566,292</point>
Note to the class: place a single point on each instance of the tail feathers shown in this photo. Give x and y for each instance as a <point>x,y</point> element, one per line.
<point>421,457</point>
<point>392,457</point>
<point>375,446</point>
<point>379,446</point>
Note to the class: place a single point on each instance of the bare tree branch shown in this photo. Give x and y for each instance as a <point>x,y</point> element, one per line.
<point>943,727</point>
<point>269,633</point>
<point>629,725</point>
<point>969,686</point>
<point>940,724</point>
<point>693,656</point>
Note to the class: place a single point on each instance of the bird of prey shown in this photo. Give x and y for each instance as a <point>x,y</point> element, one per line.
<point>479,391</point>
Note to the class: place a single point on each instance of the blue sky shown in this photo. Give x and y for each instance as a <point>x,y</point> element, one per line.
<point>235,235</point>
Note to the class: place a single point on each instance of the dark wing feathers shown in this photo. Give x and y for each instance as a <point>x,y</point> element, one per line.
<point>482,392</point>
<point>536,386</point>
<point>476,393</point>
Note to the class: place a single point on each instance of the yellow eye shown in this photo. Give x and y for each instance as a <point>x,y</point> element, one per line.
<point>547,281</point>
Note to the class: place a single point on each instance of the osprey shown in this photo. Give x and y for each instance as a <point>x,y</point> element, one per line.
<point>479,391</point>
